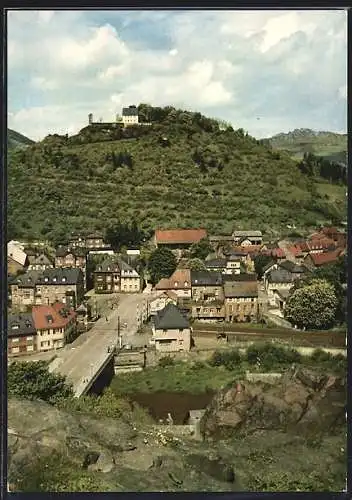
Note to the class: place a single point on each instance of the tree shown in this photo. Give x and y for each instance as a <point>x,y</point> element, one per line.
<point>260,261</point>
<point>201,249</point>
<point>312,306</point>
<point>33,380</point>
<point>162,264</point>
<point>196,265</point>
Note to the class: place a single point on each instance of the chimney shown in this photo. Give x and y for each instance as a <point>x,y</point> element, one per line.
<point>90,118</point>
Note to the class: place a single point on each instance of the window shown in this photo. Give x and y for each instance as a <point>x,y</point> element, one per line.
<point>54,279</point>
<point>30,348</point>
<point>46,279</point>
<point>30,339</point>
<point>14,350</point>
<point>63,279</point>
<point>15,327</point>
<point>15,340</point>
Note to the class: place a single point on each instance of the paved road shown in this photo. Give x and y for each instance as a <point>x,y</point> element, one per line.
<point>85,360</point>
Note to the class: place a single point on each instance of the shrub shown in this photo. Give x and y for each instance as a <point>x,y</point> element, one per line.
<point>166,361</point>
<point>229,359</point>
<point>321,356</point>
<point>270,355</point>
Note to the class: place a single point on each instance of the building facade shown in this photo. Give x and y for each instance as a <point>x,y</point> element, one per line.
<point>241,301</point>
<point>21,335</point>
<point>64,285</point>
<point>179,283</point>
<point>171,330</point>
<point>56,325</point>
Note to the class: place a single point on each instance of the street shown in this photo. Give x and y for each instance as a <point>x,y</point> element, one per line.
<point>81,362</point>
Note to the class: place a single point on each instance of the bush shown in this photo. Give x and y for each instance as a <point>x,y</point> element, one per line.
<point>229,359</point>
<point>166,361</point>
<point>321,356</point>
<point>270,355</point>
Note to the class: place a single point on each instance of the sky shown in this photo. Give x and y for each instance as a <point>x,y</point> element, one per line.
<point>264,71</point>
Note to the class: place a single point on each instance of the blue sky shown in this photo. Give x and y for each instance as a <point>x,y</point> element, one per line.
<point>264,71</point>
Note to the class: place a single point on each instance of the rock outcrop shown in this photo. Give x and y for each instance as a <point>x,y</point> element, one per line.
<point>302,402</point>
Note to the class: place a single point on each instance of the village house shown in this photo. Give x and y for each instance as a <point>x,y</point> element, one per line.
<point>71,257</point>
<point>39,261</point>
<point>90,241</point>
<point>56,325</point>
<point>178,239</point>
<point>171,330</point>
<point>17,259</point>
<point>107,276</point>
<point>114,275</point>
<point>178,283</point>
<point>23,290</point>
<point>160,301</point>
<point>233,264</point>
<point>130,116</point>
<point>130,280</point>
<point>241,301</point>
<point>21,335</point>
<point>217,265</point>
<point>278,279</point>
<point>65,285</point>
<point>280,298</point>
<point>207,296</point>
<point>246,238</point>
<point>334,234</point>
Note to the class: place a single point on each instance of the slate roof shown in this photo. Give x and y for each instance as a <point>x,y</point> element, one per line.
<point>206,278</point>
<point>292,267</point>
<point>280,276</point>
<point>40,259</point>
<point>60,276</point>
<point>24,322</point>
<point>170,318</point>
<point>240,277</point>
<point>130,111</point>
<point>109,265</point>
<point>215,263</point>
<point>28,279</point>
<point>239,289</point>
<point>179,236</point>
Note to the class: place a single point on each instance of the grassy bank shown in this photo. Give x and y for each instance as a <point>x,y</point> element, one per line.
<point>221,368</point>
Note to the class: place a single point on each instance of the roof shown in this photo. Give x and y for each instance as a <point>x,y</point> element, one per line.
<point>20,324</point>
<point>268,265</point>
<point>240,277</point>
<point>233,289</point>
<point>246,234</point>
<point>180,279</point>
<point>28,279</point>
<point>280,276</point>
<point>60,276</point>
<point>171,295</point>
<point>278,253</point>
<point>321,259</point>
<point>62,251</point>
<point>130,111</point>
<point>55,316</point>
<point>322,243</point>
<point>295,250</point>
<point>292,267</point>
<point>215,263</point>
<point>111,264</point>
<point>170,318</point>
<point>206,278</point>
<point>179,235</point>
<point>16,253</point>
<point>40,259</point>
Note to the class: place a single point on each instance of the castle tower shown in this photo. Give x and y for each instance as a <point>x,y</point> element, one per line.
<point>90,118</point>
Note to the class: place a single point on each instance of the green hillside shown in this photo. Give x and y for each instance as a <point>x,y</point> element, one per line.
<point>15,140</point>
<point>182,171</point>
<point>328,144</point>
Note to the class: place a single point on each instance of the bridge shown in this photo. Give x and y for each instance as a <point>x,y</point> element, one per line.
<point>83,365</point>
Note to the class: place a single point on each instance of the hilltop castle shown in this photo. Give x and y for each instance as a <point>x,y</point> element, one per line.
<point>129,117</point>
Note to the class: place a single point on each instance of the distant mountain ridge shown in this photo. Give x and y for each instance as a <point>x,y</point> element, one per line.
<point>330,145</point>
<point>15,139</point>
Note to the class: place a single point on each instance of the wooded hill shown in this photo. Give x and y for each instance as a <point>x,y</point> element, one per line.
<point>184,170</point>
<point>15,139</point>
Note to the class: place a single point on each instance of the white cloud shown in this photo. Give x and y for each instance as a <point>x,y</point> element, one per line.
<point>287,67</point>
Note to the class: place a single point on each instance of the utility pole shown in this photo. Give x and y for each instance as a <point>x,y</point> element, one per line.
<point>119,332</point>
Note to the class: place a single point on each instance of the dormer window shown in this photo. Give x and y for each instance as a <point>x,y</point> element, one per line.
<point>176,283</point>
<point>64,279</point>
<point>15,327</point>
<point>46,279</point>
<point>108,268</point>
<point>186,283</point>
<point>54,279</point>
